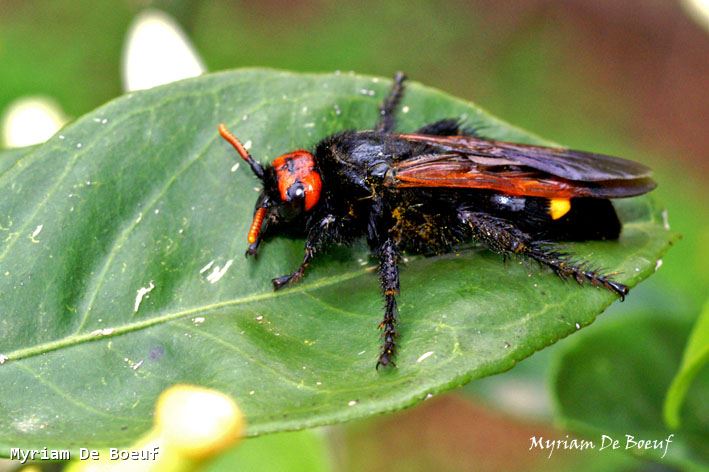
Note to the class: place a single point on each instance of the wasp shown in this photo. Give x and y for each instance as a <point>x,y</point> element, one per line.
<point>430,191</point>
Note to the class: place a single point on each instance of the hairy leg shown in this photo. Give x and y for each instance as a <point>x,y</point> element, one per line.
<point>503,237</point>
<point>387,111</point>
<point>389,277</point>
<point>324,232</point>
<point>445,127</point>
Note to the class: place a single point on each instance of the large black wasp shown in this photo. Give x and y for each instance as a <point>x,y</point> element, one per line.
<point>429,191</point>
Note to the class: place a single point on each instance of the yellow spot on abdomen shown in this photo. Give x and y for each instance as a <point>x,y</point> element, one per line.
<point>558,207</point>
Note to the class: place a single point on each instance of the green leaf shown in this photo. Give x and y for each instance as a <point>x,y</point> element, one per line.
<point>117,230</point>
<point>301,451</point>
<point>11,157</point>
<point>613,382</point>
<point>696,355</point>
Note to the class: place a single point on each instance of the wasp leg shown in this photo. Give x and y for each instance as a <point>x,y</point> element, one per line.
<point>296,275</point>
<point>387,111</point>
<point>321,234</point>
<point>451,127</point>
<point>445,127</point>
<point>503,237</point>
<point>389,276</point>
<point>379,239</point>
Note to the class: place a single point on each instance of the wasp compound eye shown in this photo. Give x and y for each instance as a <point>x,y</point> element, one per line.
<point>298,178</point>
<point>295,191</point>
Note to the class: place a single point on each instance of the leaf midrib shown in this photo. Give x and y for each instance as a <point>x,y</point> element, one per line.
<point>108,332</point>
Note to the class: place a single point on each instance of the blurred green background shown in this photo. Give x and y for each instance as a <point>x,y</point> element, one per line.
<point>625,78</point>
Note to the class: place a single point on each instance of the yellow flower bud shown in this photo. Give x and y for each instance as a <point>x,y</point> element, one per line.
<point>197,422</point>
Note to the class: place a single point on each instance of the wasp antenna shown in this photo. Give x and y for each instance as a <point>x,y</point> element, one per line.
<point>254,236</point>
<point>255,229</point>
<point>231,139</point>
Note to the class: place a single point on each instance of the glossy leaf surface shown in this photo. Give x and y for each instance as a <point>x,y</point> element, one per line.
<point>122,271</point>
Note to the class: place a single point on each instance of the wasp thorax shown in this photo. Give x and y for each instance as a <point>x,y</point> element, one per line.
<point>298,178</point>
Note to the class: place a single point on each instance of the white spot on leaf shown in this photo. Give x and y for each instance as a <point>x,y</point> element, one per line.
<point>207,267</point>
<point>35,233</point>
<point>424,356</point>
<point>28,424</point>
<point>102,332</point>
<point>142,291</point>
<point>218,272</point>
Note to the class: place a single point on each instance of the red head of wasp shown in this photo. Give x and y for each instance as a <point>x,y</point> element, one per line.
<point>431,190</point>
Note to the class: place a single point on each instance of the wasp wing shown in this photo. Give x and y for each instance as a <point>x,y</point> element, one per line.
<point>566,163</point>
<point>470,162</point>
